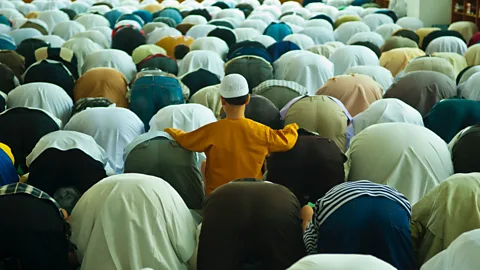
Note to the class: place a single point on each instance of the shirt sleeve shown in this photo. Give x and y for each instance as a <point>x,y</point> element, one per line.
<point>283,139</point>
<point>310,238</point>
<point>195,141</point>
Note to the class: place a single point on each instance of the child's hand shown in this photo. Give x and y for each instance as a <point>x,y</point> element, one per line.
<point>306,214</point>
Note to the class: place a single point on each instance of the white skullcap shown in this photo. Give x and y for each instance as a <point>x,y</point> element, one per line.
<point>233,86</point>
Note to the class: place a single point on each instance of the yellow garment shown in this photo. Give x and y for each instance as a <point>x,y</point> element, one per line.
<point>154,7</point>
<point>144,51</point>
<point>7,151</point>
<point>458,62</point>
<point>466,29</point>
<point>436,64</point>
<point>346,18</point>
<point>397,59</point>
<point>322,115</point>
<point>398,42</point>
<point>447,211</point>
<point>169,43</point>
<point>235,148</point>
<point>423,32</point>
<point>473,55</point>
<point>32,15</point>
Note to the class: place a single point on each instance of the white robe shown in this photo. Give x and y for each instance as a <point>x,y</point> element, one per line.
<point>461,254</point>
<point>133,221</point>
<point>112,58</point>
<point>341,262</point>
<point>45,96</point>
<point>410,158</point>
<point>112,128</point>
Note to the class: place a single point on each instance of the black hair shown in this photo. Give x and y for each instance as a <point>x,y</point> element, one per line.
<point>238,101</point>
<point>371,46</point>
<point>67,198</point>
<point>180,51</point>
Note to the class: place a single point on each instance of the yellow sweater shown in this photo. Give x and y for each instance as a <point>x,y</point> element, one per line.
<point>235,148</point>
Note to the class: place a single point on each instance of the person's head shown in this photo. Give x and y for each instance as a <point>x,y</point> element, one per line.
<point>234,92</point>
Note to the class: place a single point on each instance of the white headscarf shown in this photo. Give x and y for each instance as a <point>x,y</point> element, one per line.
<point>447,44</point>
<point>79,7</point>
<point>67,140</point>
<point>301,40</point>
<point>132,23</point>
<point>132,221</point>
<point>27,8</point>
<point>461,254</point>
<point>11,13</point>
<point>207,60</point>
<point>387,30</point>
<point>213,44</point>
<point>386,111</point>
<point>387,154</point>
<point>231,13</point>
<point>92,20</point>
<point>345,31</point>
<point>371,37</point>
<point>187,117</point>
<point>375,20</point>
<point>265,40</point>
<point>293,19</point>
<point>52,17</point>
<point>160,33</point>
<point>112,128</point>
<point>151,26</point>
<point>82,47</point>
<point>266,17</point>
<point>67,30</point>
<point>464,78</point>
<point>319,23</point>
<point>21,34</point>
<point>257,24</point>
<point>46,96</point>
<point>194,19</point>
<point>380,74</point>
<point>106,31</point>
<point>95,36</point>
<point>246,33</point>
<point>305,68</point>
<point>53,40</point>
<point>102,9</point>
<point>341,262</point>
<point>410,23</point>
<point>399,7</point>
<point>319,35</point>
<point>201,30</point>
<point>111,58</point>
<point>350,56</point>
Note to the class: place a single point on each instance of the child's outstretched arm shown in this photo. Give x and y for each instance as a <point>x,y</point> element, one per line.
<point>195,141</point>
<point>283,139</point>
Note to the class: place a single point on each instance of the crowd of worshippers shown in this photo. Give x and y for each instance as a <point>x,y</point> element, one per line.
<point>237,135</point>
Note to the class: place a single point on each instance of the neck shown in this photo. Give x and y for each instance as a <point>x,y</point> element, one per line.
<point>234,112</point>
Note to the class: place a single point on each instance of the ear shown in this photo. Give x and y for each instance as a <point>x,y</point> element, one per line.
<point>223,101</point>
<point>248,100</point>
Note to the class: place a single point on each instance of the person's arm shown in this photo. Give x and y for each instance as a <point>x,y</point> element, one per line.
<point>283,139</point>
<point>307,215</point>
<point>195,141</point>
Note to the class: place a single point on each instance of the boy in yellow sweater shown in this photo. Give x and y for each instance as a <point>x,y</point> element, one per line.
<point>235,147</point>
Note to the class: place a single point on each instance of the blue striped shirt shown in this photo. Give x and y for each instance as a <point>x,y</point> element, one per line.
<point>340,195</point>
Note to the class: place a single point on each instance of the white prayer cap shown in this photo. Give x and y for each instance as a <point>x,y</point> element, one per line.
<point>233,86</point>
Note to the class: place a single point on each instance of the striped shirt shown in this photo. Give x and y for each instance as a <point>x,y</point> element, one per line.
<point>340,195</point>
<point>279,83</point>
<point>21,188</point>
